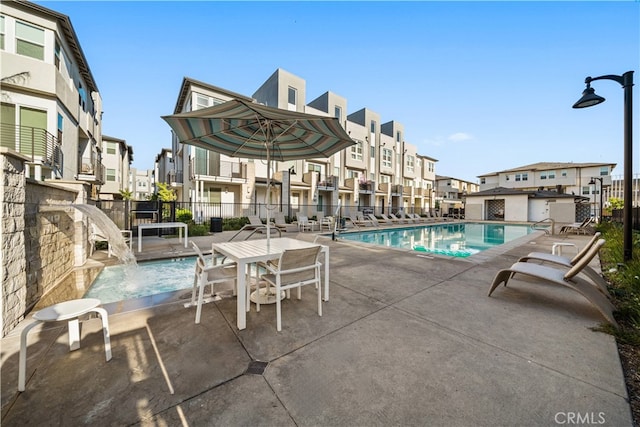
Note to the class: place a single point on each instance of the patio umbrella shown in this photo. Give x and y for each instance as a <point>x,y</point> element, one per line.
<point>238,128</point>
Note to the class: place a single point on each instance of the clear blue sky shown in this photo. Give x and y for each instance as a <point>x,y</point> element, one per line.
<point>480,86</point>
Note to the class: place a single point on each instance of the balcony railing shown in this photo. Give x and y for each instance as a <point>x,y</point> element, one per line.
<point>37,143</point>
<point>366,187</point>
<point>175,177</point>
<point>92,170</point>
<point>327,183</point>
<point>222,169</point>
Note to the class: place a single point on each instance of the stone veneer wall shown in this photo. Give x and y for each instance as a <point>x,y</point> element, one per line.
<point>39,239</point>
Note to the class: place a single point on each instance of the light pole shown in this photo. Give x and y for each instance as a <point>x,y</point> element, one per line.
<point>593,182</point>
<point>588,99</point>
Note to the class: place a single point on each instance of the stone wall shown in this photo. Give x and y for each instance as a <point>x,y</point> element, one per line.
<point>42,237</point>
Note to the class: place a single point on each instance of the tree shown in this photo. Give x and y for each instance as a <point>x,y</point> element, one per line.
<point>126,194</point>
<point>165,194</point>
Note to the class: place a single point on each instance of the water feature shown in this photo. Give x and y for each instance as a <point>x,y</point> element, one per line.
<point>117,241</point>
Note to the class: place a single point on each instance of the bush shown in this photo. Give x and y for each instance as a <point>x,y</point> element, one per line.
<point>184,215</point>
<point>230,224</point>
<point>198,230</point>
<point>624,279</point>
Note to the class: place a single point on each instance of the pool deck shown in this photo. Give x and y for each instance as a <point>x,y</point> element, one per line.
<point>406,339</point>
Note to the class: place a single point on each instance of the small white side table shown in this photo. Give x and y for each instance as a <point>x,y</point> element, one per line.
<point>556,249</point>
<point>68,310</point>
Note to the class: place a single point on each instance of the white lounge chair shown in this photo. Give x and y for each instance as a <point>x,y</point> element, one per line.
<point>281,223</point>
<point>567,278</point>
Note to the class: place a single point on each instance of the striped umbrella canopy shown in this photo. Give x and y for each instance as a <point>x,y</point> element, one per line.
<point>242,129</point>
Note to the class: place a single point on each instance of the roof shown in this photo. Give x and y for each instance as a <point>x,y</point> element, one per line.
<point>533,194</point>
<point>542,166</point>
<point>71,38</point>
<point>188,82</point>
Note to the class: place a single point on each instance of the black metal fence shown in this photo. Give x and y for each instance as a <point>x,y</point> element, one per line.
<point>617,215</point>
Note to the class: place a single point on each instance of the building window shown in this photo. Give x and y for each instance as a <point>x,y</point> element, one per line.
<point>337,113</point>
<point>56,59</point>
<point>373,152</point>
<point>386,157</point>
<point>408,182</point>
<point>29,41</point>
<point>111,175</point>
<point>292,96</point>
<point>385,179</point>
<point>543,175</point>
<point>551,174</point>
<point>518,177</point>
<point>356,150</point>
<point>525,176</point>
<point>2,32</point>
<point>352,173</point>
<point>373,126</point>
<point>312,167</point>
<point>410,163</point>
<point>563,173</point>
<point>585,190</point>
<point>431,166</point>
<point>604,170</point>
<point>483,181</point>
<point>398,136</point>
<point>111,148</point>
<point>60,127</point>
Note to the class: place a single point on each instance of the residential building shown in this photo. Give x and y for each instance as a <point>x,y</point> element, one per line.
<point>51,106</point>
<point>381,172</point>
<point>450,193</point>
<point>117,157</point>
<point>142,184</point>
<point>584,181</point>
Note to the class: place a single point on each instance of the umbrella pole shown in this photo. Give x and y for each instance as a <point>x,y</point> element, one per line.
<point>268,197</point>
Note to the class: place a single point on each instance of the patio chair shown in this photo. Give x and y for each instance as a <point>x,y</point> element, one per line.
<point>578,227</point>
<point>295,268</point>
<point>324,221</point>
<point>374,220</point>
<point>304,223</point>
<point>567,278</point>
<point>596,278</point>
<point>210,275</point>
<point>97,235</point>
<point>388,219</point>
<point>282,224</point>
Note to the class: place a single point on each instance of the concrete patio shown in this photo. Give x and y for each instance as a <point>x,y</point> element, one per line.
<point>406,339</point>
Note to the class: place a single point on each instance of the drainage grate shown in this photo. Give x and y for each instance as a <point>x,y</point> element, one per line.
<point>256,367</point>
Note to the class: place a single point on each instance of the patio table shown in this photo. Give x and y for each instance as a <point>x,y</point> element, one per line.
<point>179,225</point>
<point>248,252</point>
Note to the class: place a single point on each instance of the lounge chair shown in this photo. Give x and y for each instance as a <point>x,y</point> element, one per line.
<point>567,278</point>
<point>388,219</point>
<point>374,220</point>
<point>597,279</point>
<point>407,218</point>
<point>282,224</point>
<point>400,220</point>
<point>578,227</point>
<point>418,219</point>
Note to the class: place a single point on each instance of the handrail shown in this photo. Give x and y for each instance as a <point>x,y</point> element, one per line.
<point>535,226</point>
<point>254,229</point>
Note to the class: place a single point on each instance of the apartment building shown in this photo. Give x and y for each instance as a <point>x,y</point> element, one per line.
<point>141,184</point>
<point>381,172</point>
<point>117,157</point>
<point>549,182</point>
<point>452,192</point>
<point>51,106</point>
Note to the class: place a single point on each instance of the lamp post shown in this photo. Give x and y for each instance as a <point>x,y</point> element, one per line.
<point>588,99</point>
<point>593,182</point>
<point>292,172</point>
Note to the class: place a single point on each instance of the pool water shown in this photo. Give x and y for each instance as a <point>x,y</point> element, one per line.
<point>458,240</point>
<point>123,282</point>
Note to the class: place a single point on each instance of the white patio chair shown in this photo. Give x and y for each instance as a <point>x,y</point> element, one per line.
<point>210,275</point>
<point>97,235</point>
<point>295,268</point>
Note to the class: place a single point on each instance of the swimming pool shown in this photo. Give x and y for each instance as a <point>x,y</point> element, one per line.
<point>458,240</point>
<point>123,282</point>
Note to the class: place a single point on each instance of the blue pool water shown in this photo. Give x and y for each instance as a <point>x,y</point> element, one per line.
<point>123,282</point>
<point>459,239</point>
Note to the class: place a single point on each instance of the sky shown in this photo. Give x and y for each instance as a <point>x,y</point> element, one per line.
<point>480,86</point>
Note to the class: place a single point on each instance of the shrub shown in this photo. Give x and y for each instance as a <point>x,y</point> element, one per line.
<point>198,230</point>
<point>184,215</point>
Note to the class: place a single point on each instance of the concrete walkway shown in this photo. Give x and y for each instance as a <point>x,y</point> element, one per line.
<point>406,339</point>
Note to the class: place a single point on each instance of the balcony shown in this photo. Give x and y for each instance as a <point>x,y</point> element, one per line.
<point>37,143</point>
<point>396,190</point>
<point>175,178</point>
<point>218,171</point>
<point>406,191</point>
<point>366,187</point>
<point>328,183</point>
<point>91,170</point>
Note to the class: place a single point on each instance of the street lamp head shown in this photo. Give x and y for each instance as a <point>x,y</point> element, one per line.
<point>589,98</point>
<point>592,182</point>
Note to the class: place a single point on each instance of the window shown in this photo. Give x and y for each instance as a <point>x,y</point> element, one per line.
<point>2,32</point>
<point>373,152</point>
<point>385,179</point>
<point>337,113</point>
<point>386,157</point>
<point>356,150</point>
<point>292,96</point>
<point>563,173</point>
<point>60,127</point>
<point>29,40</point>
<point>314,168</point>
<point>398,136</point>
<point>604,170</point>
<point>111,174</point>
<point>551,174</point>
<point>57,55</point>
<point>431,166</point>
<point>373,126</point>
<point>111,148</point>
<point>483,181</point>
<point>543,175</point>
<point>410,163</point>
<point>518,177</point>
<point>408,182</point>
<point>352,173</point>
<point>525,176</point>
<point>585,190</point>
